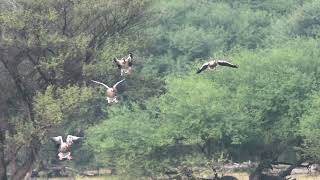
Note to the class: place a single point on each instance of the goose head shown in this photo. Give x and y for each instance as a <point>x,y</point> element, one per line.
<point>111,93</point>
<point>113,90</point>
<point>71,138</point>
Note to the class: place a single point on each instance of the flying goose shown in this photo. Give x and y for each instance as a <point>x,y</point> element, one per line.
<point>214,64</point>
<point>124,64</point>
<point>111,91</point>
<point>65,147</point>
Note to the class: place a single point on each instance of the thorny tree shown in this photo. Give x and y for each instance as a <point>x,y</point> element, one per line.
<point>46,50</point>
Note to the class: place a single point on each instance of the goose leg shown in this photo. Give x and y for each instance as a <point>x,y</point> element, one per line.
<point>127,71</point>
<point>130,70</point>
<point>60,156</point>
<point>69,157</point>
<point>112,100</point>
<point>109,100</point>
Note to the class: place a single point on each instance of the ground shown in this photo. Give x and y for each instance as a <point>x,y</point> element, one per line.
<point>240,176</point>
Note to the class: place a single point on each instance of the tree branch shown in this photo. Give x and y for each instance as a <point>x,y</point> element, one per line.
<point>31,157</point>
<point>36,65</point>
<point>64,29</point>
<point>3,166</point>
<point>21,87</point>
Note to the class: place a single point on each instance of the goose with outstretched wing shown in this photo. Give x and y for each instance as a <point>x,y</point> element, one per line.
<point>124,64</point>
<point>111,92</point>
<point>214,64</point>
<point>65,147</point>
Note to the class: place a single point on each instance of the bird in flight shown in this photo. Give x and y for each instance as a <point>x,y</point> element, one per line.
<point>124,64</point>
<point>111,91</point>
<point>214,64</point>
<point>65,147</point>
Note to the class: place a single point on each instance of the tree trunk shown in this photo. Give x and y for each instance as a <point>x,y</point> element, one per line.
<point>257,173</point>
<point>21,86</point>
<point>3,169</point>
<point>12,58</point>
<point>27,165</point>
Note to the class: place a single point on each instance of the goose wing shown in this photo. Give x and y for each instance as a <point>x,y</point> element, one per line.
<point>57,139</point>
<point>71,138</point>
<point>100,83</point>
<point>226,63</point>
<point>115,85</point>
<point>203,67</point>
<point>117,62</point>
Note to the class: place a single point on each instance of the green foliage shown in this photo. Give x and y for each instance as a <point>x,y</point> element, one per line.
<point>189,30</point>
<point>255,109</point>
<point>72,97</point>
<point>48,110</point>
<point>168,115</point>
<point>124,139</point>
<point>305,21</point>
<point>309,129</point>
<point>281,7</point>
<point>50,50</point>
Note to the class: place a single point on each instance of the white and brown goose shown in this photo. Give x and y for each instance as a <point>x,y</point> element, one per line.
<point>111,91</point>
<point>211,65</point>
<point>65,147</point>
<point>124,64</point>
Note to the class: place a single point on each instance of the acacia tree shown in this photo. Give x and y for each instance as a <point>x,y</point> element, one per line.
<point>47,48</point>
<point>252,113</point>
<point>256,112</point>
<point>309,129</point>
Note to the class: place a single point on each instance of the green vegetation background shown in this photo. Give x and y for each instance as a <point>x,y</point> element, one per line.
<point>266,110</point>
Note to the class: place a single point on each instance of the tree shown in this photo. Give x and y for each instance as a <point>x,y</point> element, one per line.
<point>253,112</point>
<point>309,129</point>
<point>187,31</point>
<point>46,49</point>
<point>168,116</point>
<point>303,22</point>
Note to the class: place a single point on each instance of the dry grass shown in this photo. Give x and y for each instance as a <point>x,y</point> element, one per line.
<point>96,178</point>
<point>245,176</point>
<point>84,178</point>
<point>307,177</point>
<point>240,176</point>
